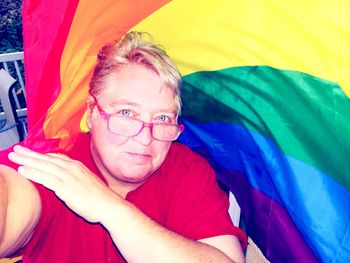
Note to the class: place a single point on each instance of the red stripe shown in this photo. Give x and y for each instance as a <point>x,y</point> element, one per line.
<point>45,26</point>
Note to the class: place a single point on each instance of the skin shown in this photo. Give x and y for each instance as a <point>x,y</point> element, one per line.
<point>19,211</point>
<point>125,162</point>
<point>3,206</point>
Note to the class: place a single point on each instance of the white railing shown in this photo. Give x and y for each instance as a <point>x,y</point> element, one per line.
<point>13,64</point>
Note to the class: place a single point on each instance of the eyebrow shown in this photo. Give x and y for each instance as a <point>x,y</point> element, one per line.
<point>124,102</point>
<point>167,111</point>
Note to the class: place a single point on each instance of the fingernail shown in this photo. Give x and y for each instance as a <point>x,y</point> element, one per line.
<point>18,148</point>
<point>11,155</point>
<point>21,169</point>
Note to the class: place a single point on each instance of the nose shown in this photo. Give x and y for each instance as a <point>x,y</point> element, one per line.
<point>145,135</point>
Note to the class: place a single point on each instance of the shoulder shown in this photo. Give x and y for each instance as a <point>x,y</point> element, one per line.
<point>79,145</point>
<point>187,167</point>
<point>79,150</point>
<point>178,147</point>
<point>180,153</point>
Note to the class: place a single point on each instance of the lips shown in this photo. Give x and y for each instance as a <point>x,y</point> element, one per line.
<point>139,156</point>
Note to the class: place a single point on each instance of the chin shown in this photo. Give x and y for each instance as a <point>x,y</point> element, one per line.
<point>134,177</point>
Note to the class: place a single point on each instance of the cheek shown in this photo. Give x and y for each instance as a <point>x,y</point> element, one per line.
<point>108,141</point>
<point>161,150</point>
<point>104,140</point>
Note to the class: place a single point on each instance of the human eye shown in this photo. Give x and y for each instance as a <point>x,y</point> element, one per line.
<point>163,119</point>
<point>125,113</point>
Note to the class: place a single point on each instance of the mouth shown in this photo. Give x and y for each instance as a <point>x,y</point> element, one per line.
<point>139,156</point>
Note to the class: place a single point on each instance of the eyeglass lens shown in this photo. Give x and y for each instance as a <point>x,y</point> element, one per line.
<point>131,127</point>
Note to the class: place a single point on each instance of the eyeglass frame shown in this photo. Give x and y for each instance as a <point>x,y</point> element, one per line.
<point>106,116</point>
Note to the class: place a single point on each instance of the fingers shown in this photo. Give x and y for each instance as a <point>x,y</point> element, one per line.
<point>41,168</point>
<point>51,182</point>
<point>27,152</point>
<point>60,156</point>
<point>50,157</point>
<point>35,165</point>
<point>43,156</point>
<point>72,182</point>
<point>27,157</point>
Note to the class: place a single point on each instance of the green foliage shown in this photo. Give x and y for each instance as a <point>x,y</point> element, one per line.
<point>11,38</point>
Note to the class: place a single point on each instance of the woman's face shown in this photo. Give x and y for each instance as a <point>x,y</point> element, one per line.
<point>134,91</point>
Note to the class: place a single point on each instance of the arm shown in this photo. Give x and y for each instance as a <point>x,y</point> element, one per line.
<point>3,207</point>
<point>137,236</point>
<point>19,211</point>
<point>230,245</point>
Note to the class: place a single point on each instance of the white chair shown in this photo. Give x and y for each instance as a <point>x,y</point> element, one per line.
<point>234,209</point>
<point>9,133</point>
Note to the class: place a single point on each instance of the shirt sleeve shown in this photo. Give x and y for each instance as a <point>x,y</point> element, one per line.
<point>49,205</point>
<point>199,208</point>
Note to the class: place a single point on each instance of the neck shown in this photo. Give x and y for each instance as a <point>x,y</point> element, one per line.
<point>120,187</point>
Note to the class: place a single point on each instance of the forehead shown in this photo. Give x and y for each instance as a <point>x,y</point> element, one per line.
<point>138,85</point>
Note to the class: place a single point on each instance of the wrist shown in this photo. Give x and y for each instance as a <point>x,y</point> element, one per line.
<point>111,210</point>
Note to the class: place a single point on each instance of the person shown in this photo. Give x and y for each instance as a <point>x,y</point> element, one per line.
<point>126,191</point>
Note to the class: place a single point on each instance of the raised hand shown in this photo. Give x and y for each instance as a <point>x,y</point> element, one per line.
<point>72,182</point>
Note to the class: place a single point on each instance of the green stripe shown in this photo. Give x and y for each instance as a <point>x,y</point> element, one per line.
<point>305,116</point>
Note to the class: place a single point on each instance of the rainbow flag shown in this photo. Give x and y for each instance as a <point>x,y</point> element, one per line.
<point>266,100</point>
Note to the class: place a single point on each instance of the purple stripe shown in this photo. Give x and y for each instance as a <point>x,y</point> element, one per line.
<point>268,223</point>
<point>274,232</point>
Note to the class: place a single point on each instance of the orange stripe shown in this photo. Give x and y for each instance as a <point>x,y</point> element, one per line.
<point>94,23</point>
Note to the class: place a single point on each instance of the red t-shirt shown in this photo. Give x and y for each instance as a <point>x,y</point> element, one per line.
<point>182,195</point>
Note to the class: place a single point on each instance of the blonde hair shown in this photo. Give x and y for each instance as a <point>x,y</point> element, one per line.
<point>138,48</point>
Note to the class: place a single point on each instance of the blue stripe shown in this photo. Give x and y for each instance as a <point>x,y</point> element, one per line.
<point>318,205</point>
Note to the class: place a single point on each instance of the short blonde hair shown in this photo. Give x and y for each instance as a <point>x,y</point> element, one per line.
<point>138,48</point>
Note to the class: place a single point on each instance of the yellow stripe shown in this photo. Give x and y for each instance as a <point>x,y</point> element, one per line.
<point>302,35</point>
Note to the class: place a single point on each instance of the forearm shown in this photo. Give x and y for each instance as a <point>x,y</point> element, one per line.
<point>140,239</point>
<point>3,207</point>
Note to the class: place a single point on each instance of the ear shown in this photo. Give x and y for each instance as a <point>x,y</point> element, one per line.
<point>90,103</point>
